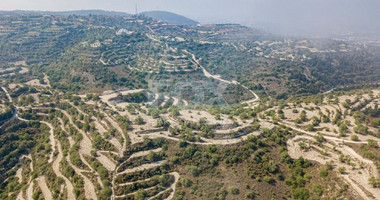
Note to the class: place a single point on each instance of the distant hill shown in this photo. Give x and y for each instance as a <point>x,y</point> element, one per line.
<point>170,18</point>
<point>74,12</point>
<point>90,12</point>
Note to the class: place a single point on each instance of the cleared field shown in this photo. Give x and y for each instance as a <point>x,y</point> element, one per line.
<point>197,115</point>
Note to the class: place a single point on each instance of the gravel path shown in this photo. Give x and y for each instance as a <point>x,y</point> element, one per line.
<point>19,174</point>
<point>46,79</point>
<point>29,191</point>
<point>106,162</point>
<point>44,188</point>
<point>141,167</point>
<point>6,92</point>
<point>20,196</point>
<point>144,153</point>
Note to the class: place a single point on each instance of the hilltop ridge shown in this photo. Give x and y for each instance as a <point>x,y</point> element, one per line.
<point>73,12</point>
<point>165,16</point>
<point>170,18</point>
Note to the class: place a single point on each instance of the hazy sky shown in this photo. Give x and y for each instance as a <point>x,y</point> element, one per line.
<point>284,16</point>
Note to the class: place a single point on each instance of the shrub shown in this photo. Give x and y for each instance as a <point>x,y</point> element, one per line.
<point>153,156</point>
<point>325,119</point>
<point>342,130</point>
<point>375,182</point>
<point>140,194</point>
<point>302,145</point>
<point>361,129</point>
<point>271,167</point>
<point>268,179</point>
<point>193,170</point>
<point>319,138</point>
<point>315,121</point>
<point>303,116</point>
<point>166,180</point>
<point>250,195</point>
<point>310,127</point>
<point>182,143</point>
<point>372,143</point>
<point>354,138</point>
<point>324,173</point>
<point>105,193</point>
<point>318,190</point>
<point>298,121</point>
<point>301,193</point>
<point>342,170</point>
<point>375,122</point>
<point>139,120</point>
<point>186,182</point>
<point>233,190</point>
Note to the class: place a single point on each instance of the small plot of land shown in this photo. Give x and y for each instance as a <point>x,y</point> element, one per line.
<point>12,71</point>
<point>107,95</point>
<point>2,108</point>
<point>197,115</point>
<point>22,62</point>
<point>7,69</point>
<point>23,70</point>
<point>36,82</point>
<point>14,85</point>
<point>170,60</point>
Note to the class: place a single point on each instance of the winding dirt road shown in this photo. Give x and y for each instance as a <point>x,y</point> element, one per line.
<point>6,92</point>
<point>29,191</point>
<point>141,167</point>
<point>218,77</point>
<point>44,188</point>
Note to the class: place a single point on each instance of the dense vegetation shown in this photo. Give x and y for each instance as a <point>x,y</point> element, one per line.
<point>83,52</point>
<point>17,139</point>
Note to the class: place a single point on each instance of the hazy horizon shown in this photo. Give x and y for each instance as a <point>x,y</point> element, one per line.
<point>300,17</point>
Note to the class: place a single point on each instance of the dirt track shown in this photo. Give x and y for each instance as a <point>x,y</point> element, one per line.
<point>44,188</point>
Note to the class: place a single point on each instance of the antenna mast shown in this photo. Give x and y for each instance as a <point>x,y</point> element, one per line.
<point>136,8</point>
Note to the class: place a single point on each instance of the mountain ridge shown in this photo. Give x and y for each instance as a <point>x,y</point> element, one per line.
<point>165,16</point>
<point>71,12</point>
<point>170,17</point>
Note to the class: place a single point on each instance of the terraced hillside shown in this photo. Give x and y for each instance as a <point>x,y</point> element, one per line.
<point>104,52</point>
<point>109,146</point>
<point>112,108</point>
